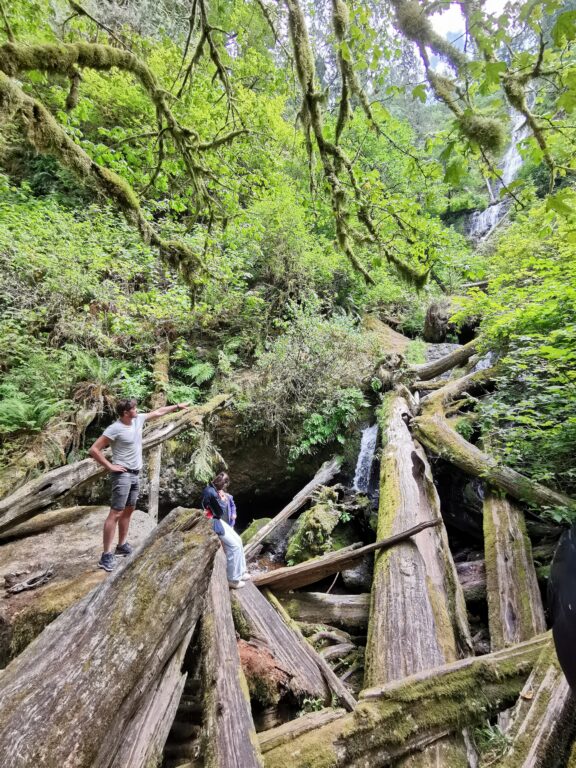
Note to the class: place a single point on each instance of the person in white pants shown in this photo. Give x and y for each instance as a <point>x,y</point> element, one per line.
<point>219,506</point>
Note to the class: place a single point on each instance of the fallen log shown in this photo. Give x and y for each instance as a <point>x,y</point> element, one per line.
<point>54,485</point>
<point>515,610</point>
<point>67,699</point>
<point>44,521</point>
<point>542,722</point>
<point>325,474</point>
<point>71,549</point>
<point>430,370</point>
<point>297,727</point>
<point>399,718</point>
<point>433,430</point>
<point>320,608</point>
<point>311,571</point>
<point>287,649</point>
<point>228,735</point>
<point>417,610</point>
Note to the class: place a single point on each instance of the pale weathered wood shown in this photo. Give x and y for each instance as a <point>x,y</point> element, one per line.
<point>542,722</point>
<point>515,610</point>
<point>435,368</point>
<point>320,608</point>
<point>417,610</point>
<point>52,486</point>
<point>472,578</point>
<point>311,571</point>
<point>44,521</point>
<point>288,731</point>
<point>325,474</point>
<point>147,732</point>
<point>286,647</point>
<point>406,715</point>
<point>337,687</point>
<point>228,733</point>
<point>66,700</point>
<point>158,400</point>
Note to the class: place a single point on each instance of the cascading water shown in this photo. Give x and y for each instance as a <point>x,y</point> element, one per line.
<point>483,222</point>
<point>365,457</point>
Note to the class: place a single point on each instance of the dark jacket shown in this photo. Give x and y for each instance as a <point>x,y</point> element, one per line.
<point>212,501</point>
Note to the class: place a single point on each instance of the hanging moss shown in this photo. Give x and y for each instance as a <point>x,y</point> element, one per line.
<point>487,132</point>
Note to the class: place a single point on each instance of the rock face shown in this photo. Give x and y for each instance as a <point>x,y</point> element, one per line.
<point>71,550</point>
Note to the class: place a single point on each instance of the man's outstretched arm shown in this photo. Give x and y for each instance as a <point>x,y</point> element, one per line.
<point>166,409</point>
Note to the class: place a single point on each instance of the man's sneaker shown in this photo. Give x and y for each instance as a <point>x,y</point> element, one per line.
<point>236,584</point>
<point>124,549</point>
<point>107,561</point>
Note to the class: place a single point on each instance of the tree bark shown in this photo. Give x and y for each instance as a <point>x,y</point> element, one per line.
<point>399,718</point>
<point>434,431</point>
<point>472,578</point>
<point>435,368</point>
<point>54,485</point>
<point>417,610</point>
<point>160,375</point>
<point>311,571</point>
<point>288,650</point>
<point>66,700</point>
<point>275,737</point>
<point>542,722</point>
<point>515,611</point>
<point>325,474</point>
<point>228,734</point>
<point>320,608</point>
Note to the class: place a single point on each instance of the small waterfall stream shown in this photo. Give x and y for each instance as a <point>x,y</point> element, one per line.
<point>364,463</point>
<point>483,222</point>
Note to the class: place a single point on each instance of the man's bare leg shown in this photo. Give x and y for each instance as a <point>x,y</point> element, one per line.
<point>110,524</point>
<point>123,524</point>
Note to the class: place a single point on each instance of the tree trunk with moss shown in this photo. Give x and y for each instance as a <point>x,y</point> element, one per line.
<point>433,429</point>
<point>350,611</point>
<point>325,474</point>
<point>68,698</point>
<point>542,722</point>
<point>228,734</point>
<point>515,611</point>
<point>404,716</point>
<point>434,368</point>
<point>417,611</point>
<point>56,484</point>
<point>160,376</point>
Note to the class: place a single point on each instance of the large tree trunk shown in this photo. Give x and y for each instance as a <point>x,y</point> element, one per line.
<point>515,611</point>
<point>67,699</point>
<point>404,716</point>
<point>325,474</point>
<point>228,733</point>
<point>70,551</point>
<point>417,612</point>
<point>54,485</point>
<point>160,375</point>
<point>435,368</point>
<point>434,431</point>
<point>349,611</point>
<point>542,722</point>
<point>319,568</point>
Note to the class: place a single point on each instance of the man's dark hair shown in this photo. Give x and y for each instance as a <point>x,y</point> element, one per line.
<point>122,406</point>
<point>221,481</point>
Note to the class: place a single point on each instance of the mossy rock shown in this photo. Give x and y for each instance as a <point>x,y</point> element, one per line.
<point>313,536</point>
<point>253,529</point>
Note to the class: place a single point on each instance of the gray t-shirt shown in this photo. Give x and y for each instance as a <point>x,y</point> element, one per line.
<point>127,442</point>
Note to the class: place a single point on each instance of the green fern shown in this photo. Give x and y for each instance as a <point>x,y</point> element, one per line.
<point>205,458</point>
<point>20,415</point>
<point>199,373</point>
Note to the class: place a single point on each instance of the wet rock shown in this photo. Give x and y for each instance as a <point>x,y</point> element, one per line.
<point>359,578</point>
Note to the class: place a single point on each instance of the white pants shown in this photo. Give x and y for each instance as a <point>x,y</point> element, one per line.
<point>234,549</point>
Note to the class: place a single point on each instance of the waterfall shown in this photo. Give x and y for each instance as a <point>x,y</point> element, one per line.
<point>483,222</point>
<point>364,463</point>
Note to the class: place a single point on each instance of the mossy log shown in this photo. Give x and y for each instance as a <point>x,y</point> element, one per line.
<point>287,648</point>
<point>312,571</point>
<point>402,717</point>
<point>542,722</point>
<point>349,611</point>
<point>67,699</point>
<point>228,734</point>
<point>458,357</point>
<point>160,376</point>
<point>325,474</point>
<point>297,727</point>
<point>417,610</point>
<point>44,521</point>
<point>71,549</point>
<point>54,485</point>
<point>433,430</point>
<point>515,610</point>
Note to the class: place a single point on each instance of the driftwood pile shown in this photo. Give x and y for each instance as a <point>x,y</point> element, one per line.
<point>162,650</point>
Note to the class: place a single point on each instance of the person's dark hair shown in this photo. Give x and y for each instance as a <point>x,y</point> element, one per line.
<point>122,406</point>
<point>221,481</point>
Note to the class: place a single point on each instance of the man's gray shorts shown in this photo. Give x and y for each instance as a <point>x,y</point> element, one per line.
<point>125,486</point>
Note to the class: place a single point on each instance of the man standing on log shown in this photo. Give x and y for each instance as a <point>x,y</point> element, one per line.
<point>125,437</point>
